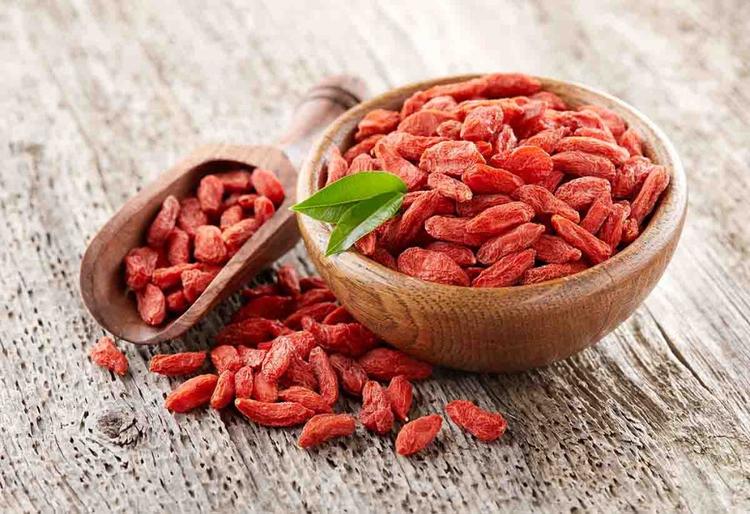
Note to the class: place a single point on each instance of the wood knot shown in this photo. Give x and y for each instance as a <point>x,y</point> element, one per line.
<point>120,426</point>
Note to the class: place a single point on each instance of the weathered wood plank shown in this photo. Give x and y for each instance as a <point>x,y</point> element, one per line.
<point>98,97</point>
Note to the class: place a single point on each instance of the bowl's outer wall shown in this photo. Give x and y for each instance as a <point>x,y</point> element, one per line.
<point>506,329</point>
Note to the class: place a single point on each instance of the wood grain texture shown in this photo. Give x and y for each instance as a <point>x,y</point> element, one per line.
<point>98,97</point>
<point>498,329</point>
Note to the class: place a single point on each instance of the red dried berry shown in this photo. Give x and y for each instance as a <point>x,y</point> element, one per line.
<point>251,357</point>
<point>450,157</point>
<point>611,231</point>
<point>413,177</point>
<point>351,375</point>
<point>482,123</point>
<point>554,250</point>
<point>306,397</point>
<point>461,255</point>
<point>263,209</point>
<point>400,394</point>
<point>484,425</point>
<point>152,306</point>
<point>552,271</point>
<point>265,389</point>
<point>236,181</point>
<point>316,311</point>
<point>506,271</point>
<point>544,202</point>
<point>230,216</point>
<point>210,193</point>
<point>444,228</point>
<point>139,265</point>
<point>166,278</point>
<point>592,247</point>
<point>450,129</point>
<point>236,235</point>
<point>479,203</point>
<point>164,222</point>
<point>409,146</point>
<point>267,184</point>
<point>591,145</point>
<point>300,373</point>
<point>449,187</point>
<point>176,302</point>
<point>105,354</point>
<point>351,339</point>
<point>337,167</point>
<point>376,414</point>
<point>209,246</point>
<point>191,394</point>
<point>486,179</point>
<point>324,427</point>
<point>631,141</point>
<point>338,315</point>
<point>501,218</point>
<point>191,216</point>
<point>377,121</point>
<point>282,414</point>
<point>362,162</point>
<point>277,359</point>
<point>328,383</point>
<point>416,435</point>
<point>250,331</point>
<point>178,247</point>
<point>597,214</point>
<point>176,364</point>
<point>654,185</point>
<point>424,122</point>
<point>243,382</point>
<point>546,139</point>
<point>510,84</point>
<point>530,163</point>
<point>515,240</point>
<point>317,295</point>
<point>269,307</point>
<point>386,363</point>
<point>581,192</point>
<point>432,267</point>
<point>225,357</point>
<point>584,164</point>
<point>362,148</point>
<point>224,391</point>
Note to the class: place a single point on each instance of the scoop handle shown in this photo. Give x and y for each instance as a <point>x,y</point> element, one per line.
<point>322,104</point>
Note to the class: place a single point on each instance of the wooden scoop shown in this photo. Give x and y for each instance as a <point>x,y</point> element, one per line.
<point>102,281</point>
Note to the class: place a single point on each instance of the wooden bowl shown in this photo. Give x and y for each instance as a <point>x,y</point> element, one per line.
<point>499,329</point>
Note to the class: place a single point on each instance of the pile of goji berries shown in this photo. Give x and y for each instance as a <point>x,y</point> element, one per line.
<point>190,239</point>
<point>507,185</point>
<point>286,356</point>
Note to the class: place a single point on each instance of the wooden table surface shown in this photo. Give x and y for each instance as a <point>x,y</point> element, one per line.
<point>98,97</point>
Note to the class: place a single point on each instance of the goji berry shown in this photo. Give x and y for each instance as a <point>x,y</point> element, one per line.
<point>432,267</point>
<point>247,201</point>
<point>409,146</point>
<point>308,283</point>
<point>441,103</point>
<point>164,222</point>
<point>176,302</point>
<point>597,214</point>
<point>177,364</point>
<point>282,414</point>
<point>450,157</point>
<point>367,243</point>
<point>592,247</point>
<point>166,278</point>
<point>191,216</point>
<point>544,202</point>
<point>351,339</point>
<point>265,389</point>
<point>363,147</point>
<point>324,427</point>
<point>479,203</point>
<point>337,166</point>
<point>510,84</point>
<point>654,185</point>
<point>299,373</point>
<point>250,331</point>
<point>530,163</point>
<point>178,247</point>
<point>338,315</point>
<point>500,218</point>
<point>210,194</point>
<point>631,141</point>
<point>306,397</point>
<point>611,231</point>
<point>424,122</point>
<point>263,209</point>
<point>554,250</point>
<point>209,246</point>
<point>328,383</point>
<point>552,271</point>
<point>449,187</point>
<point>506,271</point>
<point>191,394</point>
<point>269,307</point>
<point>152,306</point>
<point>225,357</point>
<point>194,282</point>
<point>139,266</point>
<point>316,311</point>
<point>386,363</point>
<point>482,123</point>
<point>584,164</point>
<point>105,354</point>
<point>351,375</point>
<point>416,435</point>
<point>484,425</point>
<point>277,359</point>
<point>362,162</point>
<point>551,99</point>
<point>377,121</point>
<point>444,228</point>
<point>236,181</point>
<point>243,382</point>
<point>517,239</point>
<point>413,177</point>
<point>376,414</point>
<point>581,192</point>
<point>449,129</point>
<point>251,357</point>
<point>461,255</point>
<point>224,391</point>
<point>230,216</point>
<point>613,121</point>
<point>505,142</point>
<point>486,179</point>
<point>267,184</point>
<point>400,395</point>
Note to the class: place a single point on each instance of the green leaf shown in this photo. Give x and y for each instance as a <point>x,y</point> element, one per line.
<point>361,219</point>
<point>330,203</point>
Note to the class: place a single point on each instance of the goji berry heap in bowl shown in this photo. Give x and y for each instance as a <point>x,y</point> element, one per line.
<point>560,205</point>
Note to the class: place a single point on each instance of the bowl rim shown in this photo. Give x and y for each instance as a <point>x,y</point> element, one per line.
<point>664,221</point>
